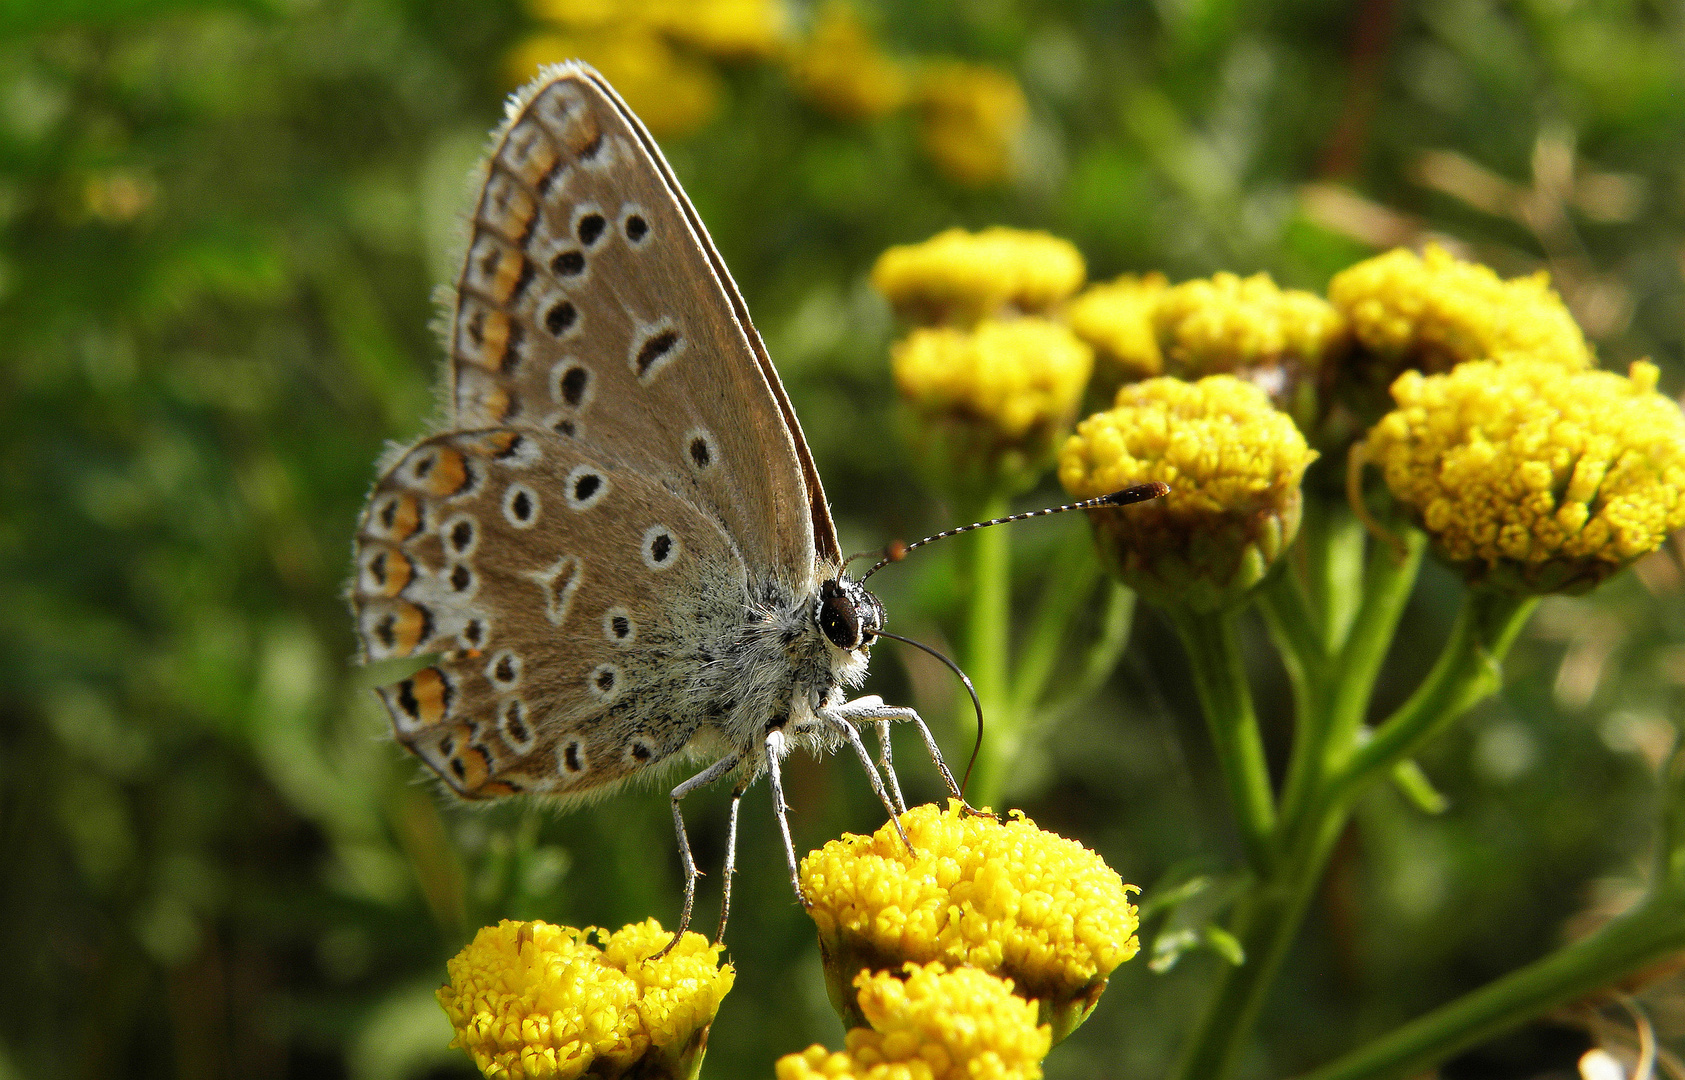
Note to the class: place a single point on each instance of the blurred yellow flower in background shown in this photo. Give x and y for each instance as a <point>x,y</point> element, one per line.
<point>1004,897</point>
<point>530,1000</point>
<point>1116,319</point>
<point>673,93</point>
<point>927,1023</point>
<point>990,404</point>
<point>1532,476</point>
<point>841,70</point>
<point>1432,312</point>
<point>959,277</point>
<point>970,119</point>
<point>1234,464</point>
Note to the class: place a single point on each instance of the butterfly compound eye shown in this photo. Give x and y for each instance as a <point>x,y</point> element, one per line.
<point>838,617</point>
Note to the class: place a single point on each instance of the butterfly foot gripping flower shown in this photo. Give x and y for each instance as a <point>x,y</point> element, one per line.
<point>530,1000</point>
<point>1234,465</point>
<point>1004,897</point>
<point>1534,477</point>
<point>927,1022</point>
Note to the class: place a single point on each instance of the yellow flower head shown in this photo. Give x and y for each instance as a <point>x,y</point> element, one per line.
<point>673,93</point>
<point>971,118</point>
<point>1116,318</point>
<point>1009,899</point>
<point>1232,324</point>
<point>727,29</point>
<point>990,404</point>
<point>1234,465</point>
<point>931,1024</point>
<point>1431,313</point>
<point>841,70</point>
<point>1534,477</point>
<point>959,277</point>
<point>531,1000</point>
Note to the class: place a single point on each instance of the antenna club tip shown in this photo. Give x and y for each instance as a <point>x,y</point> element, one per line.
<point>895,550</point>
<point>1152,489</point>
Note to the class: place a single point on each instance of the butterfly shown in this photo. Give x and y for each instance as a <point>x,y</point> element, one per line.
<point>617,551</point>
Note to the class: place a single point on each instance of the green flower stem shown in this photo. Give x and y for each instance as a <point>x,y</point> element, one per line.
<point>986,649</point>
<point>1623,946</point>
<point>1220,678</point>
<point>1387,581</point>
<point>1467,670</point>
<point>1102,655</point>
<point>1334,543</point>
<point>1076,569</point>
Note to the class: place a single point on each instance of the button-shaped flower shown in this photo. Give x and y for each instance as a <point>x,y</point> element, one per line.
<point>989,405</point>
<point>530,1000</point>
<point>957,277</point>
<point>841,69</point>
<point>1432,312</point>
<point>1230,324</point>
<point>1234,465</point>
<point>1534,477</point>
<point>1116,319</point>
<point>971,117</point>
<point>1006,898</point>
<point>928,1023</point>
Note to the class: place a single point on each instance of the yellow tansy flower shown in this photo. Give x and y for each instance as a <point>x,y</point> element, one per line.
<point>1229,324</point>
<point>1007,898</point>
<point>959,277</point>
<point>1534,477</point>
<point>1433,312</point>
<point>971,117</point>
<point>673,93</point>
<point>931,1024</point>
<point>1234,465</point>
<point>841,70</point>
<point>727,29</point>
<point>530,1000</point>
<point>1116,318</point>
<point>990,404</point>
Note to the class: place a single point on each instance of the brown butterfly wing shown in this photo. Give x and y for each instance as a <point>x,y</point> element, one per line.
<point>593,305</point>
<point>563,621</point>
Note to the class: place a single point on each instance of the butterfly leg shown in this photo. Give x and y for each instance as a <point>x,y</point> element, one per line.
<point>702,779</point>
<point>886,759</point>
<point>852,733</point>
<point>730,857</point>
<point>873,708</point>
<point>776,748</point>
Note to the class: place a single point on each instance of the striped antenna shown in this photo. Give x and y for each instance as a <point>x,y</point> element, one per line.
<point>897,551</point>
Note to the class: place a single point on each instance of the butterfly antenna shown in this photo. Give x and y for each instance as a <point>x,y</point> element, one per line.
<point>897,551</point>
<point>972,690</point>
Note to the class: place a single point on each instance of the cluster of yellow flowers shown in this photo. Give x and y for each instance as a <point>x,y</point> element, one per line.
<point>929,1023</point>
<point>1529,469</point>
<point>659,55</point>
<point>964,959</point>
<point>990,901</point>
<point>531,1001</point>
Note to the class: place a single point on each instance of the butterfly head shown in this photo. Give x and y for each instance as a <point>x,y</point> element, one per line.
<point>848,615</point>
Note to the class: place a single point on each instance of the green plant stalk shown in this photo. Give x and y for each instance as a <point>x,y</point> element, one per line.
<point>1267,919</point>
<point>1075,571</point>
<point>1101,658</point>
<point>1623,946</point>
<point>987,643</point>
<point>1220,679</point>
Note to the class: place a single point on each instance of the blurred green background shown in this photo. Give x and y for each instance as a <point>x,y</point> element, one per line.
<point>222,224</point>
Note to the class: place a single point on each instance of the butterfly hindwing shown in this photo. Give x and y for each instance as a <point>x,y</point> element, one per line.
<point>592,305</point>
<point>558,591</point>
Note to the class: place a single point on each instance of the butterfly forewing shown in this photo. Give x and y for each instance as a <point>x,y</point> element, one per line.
<point>593,306</point>
<point>561,593</point>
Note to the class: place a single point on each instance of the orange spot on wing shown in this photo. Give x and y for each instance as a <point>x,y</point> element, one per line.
<point>411,625</point>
